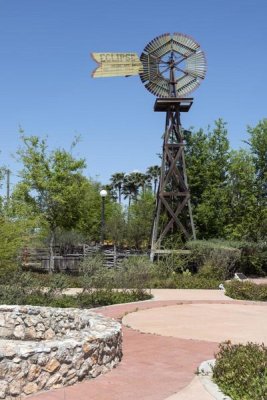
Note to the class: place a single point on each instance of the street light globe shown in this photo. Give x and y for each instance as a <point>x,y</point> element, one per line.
<point>103,193</point>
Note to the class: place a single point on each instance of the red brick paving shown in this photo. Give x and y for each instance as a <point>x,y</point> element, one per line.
<point>153,367</point>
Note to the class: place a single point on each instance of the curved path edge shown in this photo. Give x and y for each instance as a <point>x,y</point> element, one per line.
<point>153,367</point>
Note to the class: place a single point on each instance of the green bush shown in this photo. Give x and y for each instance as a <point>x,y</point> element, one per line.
<point>138,272</point>
<point>217,256</point>
<point>241,371</point>
<point>105,297</point>
<point>89,299</point>
<point>133,272</point>
<point>229,256</point>
<point>254,259</point>
<point>183,281</point>
<point>246,290</point>
<point>28,288</point>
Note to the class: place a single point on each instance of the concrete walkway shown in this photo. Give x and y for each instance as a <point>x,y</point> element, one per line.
<point>161,363</point>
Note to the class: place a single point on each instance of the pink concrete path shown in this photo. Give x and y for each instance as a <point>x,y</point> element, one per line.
<point>154,367</point>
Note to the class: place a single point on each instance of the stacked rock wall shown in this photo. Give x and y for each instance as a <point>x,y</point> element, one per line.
<point>43,348</point>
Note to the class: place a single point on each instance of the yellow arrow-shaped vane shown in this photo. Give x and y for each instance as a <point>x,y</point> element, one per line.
<point>116,64</point>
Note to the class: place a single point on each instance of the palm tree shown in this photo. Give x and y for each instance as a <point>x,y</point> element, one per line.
<point>117,181</point>
<point>140,179</point>
<point>130,187</point>
<point>111,191</point>
<point>154,173</point>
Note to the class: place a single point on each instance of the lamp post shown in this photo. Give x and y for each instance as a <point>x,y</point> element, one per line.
<point>103,193</point>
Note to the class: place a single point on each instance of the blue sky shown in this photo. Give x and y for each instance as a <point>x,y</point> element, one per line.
<point>46,88</point>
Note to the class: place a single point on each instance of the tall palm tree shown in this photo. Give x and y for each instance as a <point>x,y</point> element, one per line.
<point>130,187</point>
<point>154,173</point>
<point>140,179</point>
<point>117,181</point>
<point>111,191</point>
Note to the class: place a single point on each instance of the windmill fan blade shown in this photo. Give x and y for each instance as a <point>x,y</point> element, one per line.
<point>149,62</point>
<point>178,54</point>
<point>157,43</point>
<point>158,87</point>
<point>185,84</point>
<point>196,64</point>
<point>185,41</point>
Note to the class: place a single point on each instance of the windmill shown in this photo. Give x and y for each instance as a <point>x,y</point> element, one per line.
<point>171,66</point>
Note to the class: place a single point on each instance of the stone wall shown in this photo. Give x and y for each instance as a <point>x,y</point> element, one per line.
<point>43,348</point>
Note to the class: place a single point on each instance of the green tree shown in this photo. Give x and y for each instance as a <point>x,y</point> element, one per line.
<point>153,174</point>
<point>140,219</point>
<point>140,180</point>
<point>117,181</point>
<point>116,225</point>
<point>242,197</point>
<point>197,163</point>
<point>14,235</point>
<point>130,188</point>
<point>111,191</point>
<point>90,219</point>
<point>207,158</point>
<point>52,185</point>
<point>258,148</point>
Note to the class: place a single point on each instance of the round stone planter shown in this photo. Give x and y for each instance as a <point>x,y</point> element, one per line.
<point>43,348</point>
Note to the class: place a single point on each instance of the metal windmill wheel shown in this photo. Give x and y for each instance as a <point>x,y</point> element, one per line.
<point>173,65</point>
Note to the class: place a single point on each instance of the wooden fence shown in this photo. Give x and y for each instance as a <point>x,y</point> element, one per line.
<point>39,260</point>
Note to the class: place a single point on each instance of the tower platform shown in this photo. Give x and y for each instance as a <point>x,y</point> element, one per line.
<point>171,103</point>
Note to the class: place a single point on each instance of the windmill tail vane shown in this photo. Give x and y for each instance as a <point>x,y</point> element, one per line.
<point>116,64</point>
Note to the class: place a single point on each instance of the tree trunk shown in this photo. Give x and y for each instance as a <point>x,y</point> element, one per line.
<point>119,195</point>
<point>155,186</point>
<point>51,253</point>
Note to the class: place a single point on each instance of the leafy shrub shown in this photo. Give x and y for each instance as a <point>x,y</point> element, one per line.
<point>241,371</point>
<point>254,259</point>
<point>104,297</point>
<point>209,271</point>
<point>93,273</point>
<point>25,288</point>
<point>134,272</point>
<point>185,281</point>
<point>246,290</point>
<point>170,263</point>
<point>138,272</point>
<point>253,255</point>
<point>17,286</point>
<point>218,257</point>
<point>93,298</point>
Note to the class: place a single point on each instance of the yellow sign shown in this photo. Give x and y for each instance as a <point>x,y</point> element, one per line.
<point>116,64</point>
